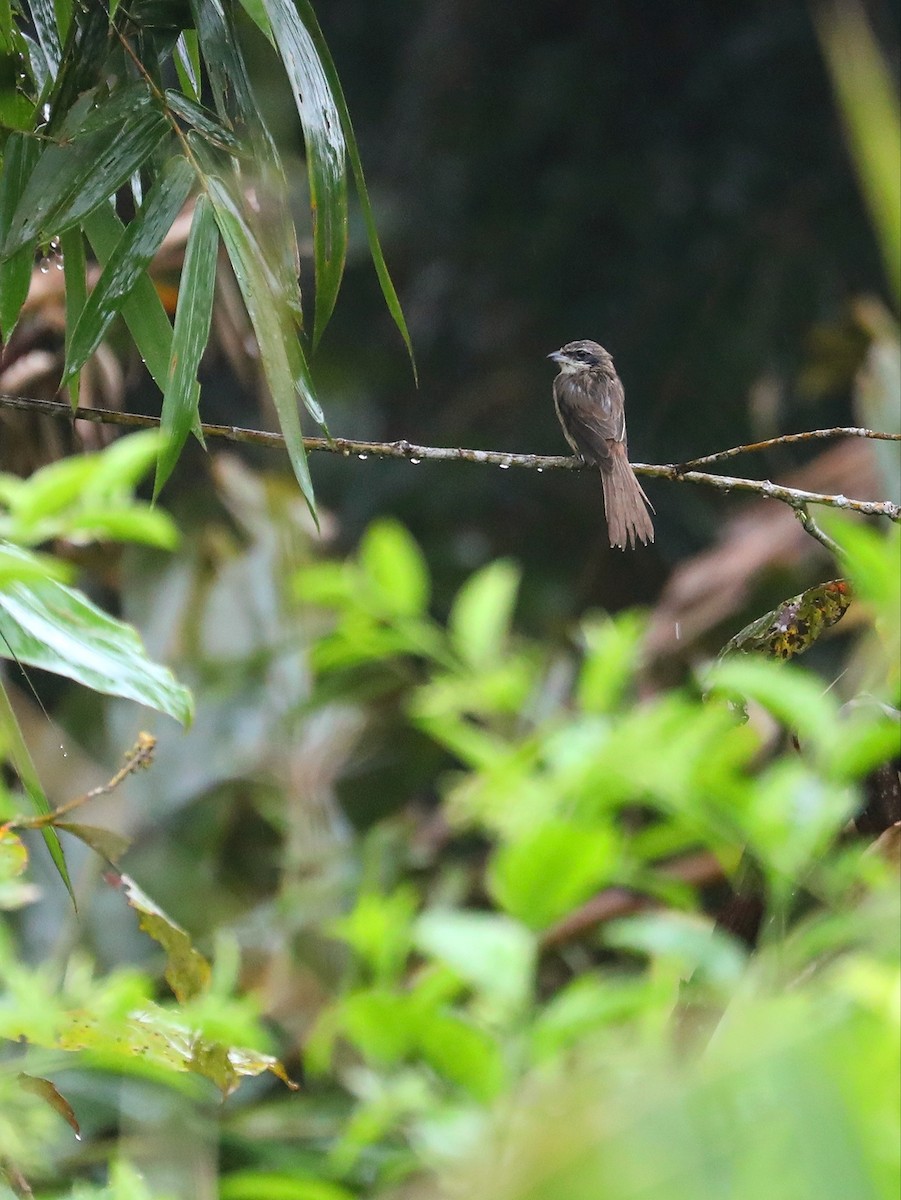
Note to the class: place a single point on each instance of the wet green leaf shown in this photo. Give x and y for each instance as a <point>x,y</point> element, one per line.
<point>142,310</point>
<point>53,627</point>
<point>70,180</point>
<point>129,260</point>
<point>19,156</point>
<point>324,138</point>
<point>192,326</point>
<point>75,271</point>
<point>272,326</point>
<point>308,17</point>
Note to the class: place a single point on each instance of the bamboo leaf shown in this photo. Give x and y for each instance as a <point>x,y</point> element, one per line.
<point>273,327</point>
<point>75,273</point>
<point>204,122</point>
<point>143,310</point>
<point>44,19</point>
<point>19,157</point>
<point>324,138</point>
<point>71,179</point>
<point>375,249</point>
<point>274,231</point>
<point>192,327</point>
<point>129,260</point>
<point>187,63</point>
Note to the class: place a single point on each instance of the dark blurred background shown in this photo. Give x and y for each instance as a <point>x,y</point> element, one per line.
<point>671,180</point>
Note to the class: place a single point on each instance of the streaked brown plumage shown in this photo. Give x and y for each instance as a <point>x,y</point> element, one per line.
<point>588,397</point>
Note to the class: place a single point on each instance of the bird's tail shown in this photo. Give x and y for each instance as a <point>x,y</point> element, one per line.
<point>626,505</point>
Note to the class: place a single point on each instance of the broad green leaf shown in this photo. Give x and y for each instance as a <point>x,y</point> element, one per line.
<point>308,17</point>
<point>544,875</point>
<point>75,271</point>
<point>19,156</point>
<point>396,569</point>
<point>143,310</point>
<point>279,1185</point>
<point>13,746</point>
<point>271,324</point>
<point>70,180</point>
<point>324,138</point>
<point>50,626</point>
<point>87,497</point>
<point>686,940</point>
<point>798,699</point>
<point>129,260</point>
<point>378,929</point>
<point>479,621</point>
<point>192,327</point>
<point>493,954</point>
<point>611,646</point>
<point>463,1053</point>
<point>21,566</point>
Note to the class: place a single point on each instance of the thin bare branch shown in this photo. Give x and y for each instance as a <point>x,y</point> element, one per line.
<point>811,527</point>
<point>789,439</point>
<point>795,497</point>
<point>138,757</point>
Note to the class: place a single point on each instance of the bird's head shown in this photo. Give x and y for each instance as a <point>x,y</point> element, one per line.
<point>581,356</point>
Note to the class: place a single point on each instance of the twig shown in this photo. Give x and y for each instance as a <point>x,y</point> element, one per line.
<point>811,527</point>
<point>140,755</point>
<point>795,497</point>
<point>694,870</point>
<point>788,439</point>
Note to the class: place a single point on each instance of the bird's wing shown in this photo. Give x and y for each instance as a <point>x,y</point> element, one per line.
<point>591,417</point>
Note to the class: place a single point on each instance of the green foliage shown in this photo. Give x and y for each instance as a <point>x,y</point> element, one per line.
<point>86,116</point>
<point>474,997</point>
<point>598,790</point>
<point>49,625</point>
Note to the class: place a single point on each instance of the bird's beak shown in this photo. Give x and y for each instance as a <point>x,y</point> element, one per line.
<point>556,356</point>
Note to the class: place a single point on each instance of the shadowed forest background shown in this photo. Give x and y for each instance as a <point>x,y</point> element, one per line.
<point>429,737</point>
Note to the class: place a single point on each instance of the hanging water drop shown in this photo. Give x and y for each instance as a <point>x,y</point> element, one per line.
<point>362,457</point>
<point>415,461</point>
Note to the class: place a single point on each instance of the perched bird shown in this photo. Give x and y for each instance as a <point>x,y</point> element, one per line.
<point>588,397</point>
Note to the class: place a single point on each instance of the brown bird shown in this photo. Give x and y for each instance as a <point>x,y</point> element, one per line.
<point>588,397</point>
